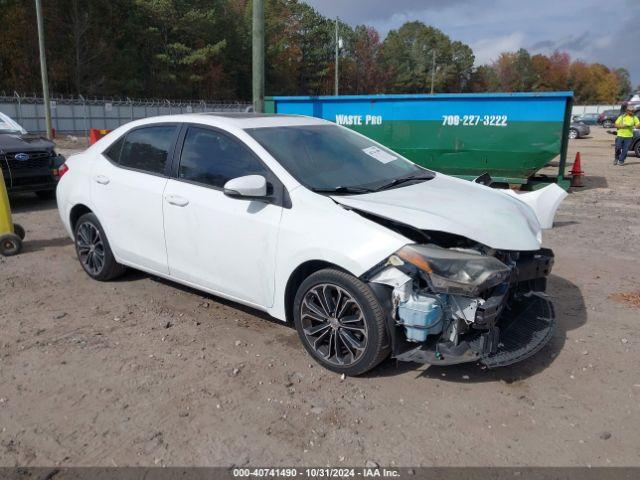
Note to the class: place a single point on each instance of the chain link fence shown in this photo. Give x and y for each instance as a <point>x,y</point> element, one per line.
<point>76,115</point>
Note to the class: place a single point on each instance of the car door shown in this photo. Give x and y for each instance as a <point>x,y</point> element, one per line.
<point>127,187</point>
<point>223,244</point>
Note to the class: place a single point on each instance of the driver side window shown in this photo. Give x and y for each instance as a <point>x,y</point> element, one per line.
<point>212,158</point>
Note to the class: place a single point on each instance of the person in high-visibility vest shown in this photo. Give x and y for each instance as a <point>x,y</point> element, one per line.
<point>625,124</point>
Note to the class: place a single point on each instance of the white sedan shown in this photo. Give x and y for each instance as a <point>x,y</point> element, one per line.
<point>368,254</point>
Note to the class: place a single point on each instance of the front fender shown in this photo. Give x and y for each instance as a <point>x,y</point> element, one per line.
<point>543,202</point>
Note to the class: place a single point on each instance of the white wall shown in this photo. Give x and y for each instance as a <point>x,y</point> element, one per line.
<point>580,109</point>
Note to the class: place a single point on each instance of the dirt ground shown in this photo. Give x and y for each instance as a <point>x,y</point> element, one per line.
<point>145,372</point>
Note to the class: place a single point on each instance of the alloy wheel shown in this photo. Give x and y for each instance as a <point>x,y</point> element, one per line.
<point>90,248</point>
<point>333,324</point>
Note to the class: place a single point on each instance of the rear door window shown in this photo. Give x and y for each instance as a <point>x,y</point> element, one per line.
<point>147,149</point>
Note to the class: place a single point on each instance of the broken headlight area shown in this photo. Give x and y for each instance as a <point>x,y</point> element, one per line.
<point>456,305</point>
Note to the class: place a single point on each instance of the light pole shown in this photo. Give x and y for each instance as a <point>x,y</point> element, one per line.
<point>43,69</point>
<point>258,56</point>
<point>337,57</point>
<point>433,69</point>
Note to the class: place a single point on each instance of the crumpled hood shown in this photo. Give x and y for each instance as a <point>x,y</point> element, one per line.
<point>16,142</point>
<point>448,204</point>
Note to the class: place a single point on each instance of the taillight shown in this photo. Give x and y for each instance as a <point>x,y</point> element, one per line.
<point>62,170</point>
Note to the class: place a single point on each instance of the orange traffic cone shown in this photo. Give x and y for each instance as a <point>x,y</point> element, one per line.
<point>94,135</point>
<point>576,172</point>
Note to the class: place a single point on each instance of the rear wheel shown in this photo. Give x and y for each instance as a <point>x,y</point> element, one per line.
<point>607,124</point>
<point>340,322</point>
<point>10,244</point>
<point>93,249</point>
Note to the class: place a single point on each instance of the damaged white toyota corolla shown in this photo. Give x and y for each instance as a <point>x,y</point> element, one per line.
<point>366,253</point>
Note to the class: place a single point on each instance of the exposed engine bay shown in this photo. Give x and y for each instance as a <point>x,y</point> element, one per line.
<point>454,301</point>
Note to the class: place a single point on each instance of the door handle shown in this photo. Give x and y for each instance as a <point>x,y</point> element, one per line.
<point>177,201</point>
<point>101,179</point>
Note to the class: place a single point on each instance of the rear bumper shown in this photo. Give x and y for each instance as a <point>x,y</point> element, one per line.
<point>522,331</point>
<point>32,184</point>
<point>33,187</point>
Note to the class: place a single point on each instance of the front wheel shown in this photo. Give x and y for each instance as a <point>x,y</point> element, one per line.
<point>573,133</point>
<point>607,124</point>
<point>340,322</point>
<point>93,249</point>
<point>637,149</point>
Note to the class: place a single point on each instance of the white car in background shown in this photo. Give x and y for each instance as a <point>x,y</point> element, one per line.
<point>365,252</point>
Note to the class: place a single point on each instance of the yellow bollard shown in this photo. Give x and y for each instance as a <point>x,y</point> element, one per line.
<point>11,234</point>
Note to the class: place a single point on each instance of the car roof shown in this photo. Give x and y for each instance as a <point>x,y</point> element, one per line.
<point>242,120</point>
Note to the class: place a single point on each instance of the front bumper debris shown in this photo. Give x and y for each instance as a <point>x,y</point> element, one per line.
<point>504,325</point>
<point>522,331</point>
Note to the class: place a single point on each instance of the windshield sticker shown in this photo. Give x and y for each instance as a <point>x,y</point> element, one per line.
<point>5,126</point>
<point>379,155</point>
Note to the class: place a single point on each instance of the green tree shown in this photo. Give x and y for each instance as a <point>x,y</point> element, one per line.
<point>624,82</point>
<point>484,79</point>
<point>515,71</point>
<point>407,54</point>
<point>184,42</point>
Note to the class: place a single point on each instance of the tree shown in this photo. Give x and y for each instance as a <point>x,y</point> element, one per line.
<point>407,56</point>
<point>202,49</point>
<point>368,76</point>
<point>484,79</point>
<point>457,73</point>
<point>551,73</point>
<point>624,82</point>
<point>515,71</point>
<point>606,84</point>
<point>185,43</point>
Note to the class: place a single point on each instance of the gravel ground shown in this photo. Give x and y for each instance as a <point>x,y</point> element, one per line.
<point>142,371</point>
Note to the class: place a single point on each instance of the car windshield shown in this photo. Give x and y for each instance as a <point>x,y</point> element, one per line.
<point>7,125</point>
<point>333,159</point>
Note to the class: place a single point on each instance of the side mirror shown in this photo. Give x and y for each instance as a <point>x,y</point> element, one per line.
<point>249,187</point>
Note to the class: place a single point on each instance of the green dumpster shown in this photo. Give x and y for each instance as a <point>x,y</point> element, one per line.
<point>511,136</point>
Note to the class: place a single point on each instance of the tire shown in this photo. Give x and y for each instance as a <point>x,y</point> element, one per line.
<point>349,334</point>
<point>10,244</point>
<point>93,250</point>
<point>637,149</point>
<point>46,194</point>
<point>19,230</point>
<point>573,133</point>
<point>607,124</point>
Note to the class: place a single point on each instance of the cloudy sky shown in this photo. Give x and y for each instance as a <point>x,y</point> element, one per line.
<point>606,31</point>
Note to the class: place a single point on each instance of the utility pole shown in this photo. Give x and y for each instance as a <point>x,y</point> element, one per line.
<point>43,69</point>
<point>433,69</point>
<point>337,56</point>
<point>258,56</point>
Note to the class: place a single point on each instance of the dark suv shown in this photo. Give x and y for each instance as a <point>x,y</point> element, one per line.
<point>635,146</point>
<point>608,118</point>
<point>29,162</point>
